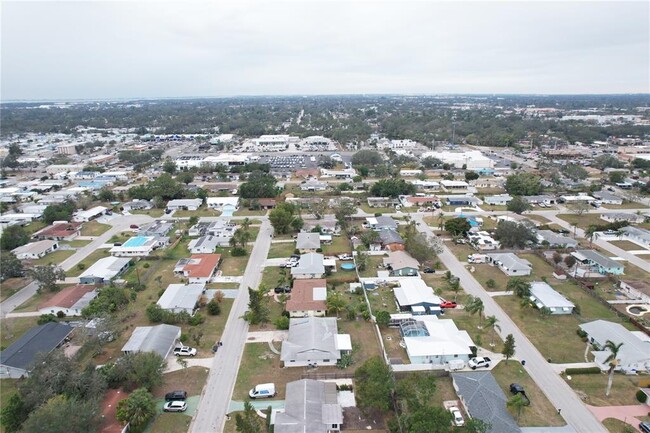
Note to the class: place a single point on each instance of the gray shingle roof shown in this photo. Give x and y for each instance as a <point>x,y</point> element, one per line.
<point>484,399</point>
<point>40,339</point>
<point>311,263</point>
<point>390,237</point>
<point>158,339</point>
<point>308,241</point>
<point>555,239</point>
<point>311,339</point>
<point>310,406</point>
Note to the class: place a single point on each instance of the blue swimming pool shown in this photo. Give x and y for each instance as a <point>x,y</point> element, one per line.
<point>137,241</point>
<point>348,266</point>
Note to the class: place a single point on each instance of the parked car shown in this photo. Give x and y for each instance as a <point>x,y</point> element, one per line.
<point>458,417</point>
<point>448,304</point>
<point>264,390</point>
<point>645,427</point>
<point>283,289</point>
<point>175,406</point>
<point>344,257</point>
<point>478,362</point>
<point>515,388</point>
<point>184,351</point>
<point>428,270</point>
<point>176,395</point>
<point>134,226</point>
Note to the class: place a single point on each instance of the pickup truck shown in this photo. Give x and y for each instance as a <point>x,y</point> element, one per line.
<point>344,257</point>
<point>478,362</point>
<point>184,351</point>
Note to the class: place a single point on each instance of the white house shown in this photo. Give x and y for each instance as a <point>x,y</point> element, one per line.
<point>636,289</point>
<point>104,270</point>
<point>181,297</point>
<point>413,295</point>
<point>139,246</point>
<point>83,216</point>
<point>159,339</point>
<point>622,216</point>
<point>637,235</point>
<point>544,296</point>
<point>498,200</point>
<point>634,354</point>
<point>313,341</point>
<point>205,244</point>
<point>185,204</point>
<point>510,264</point>
<point>218,203</point>
<point>35,250</point>
<point>310,265</point>
<point>310,406</point>
<point>430,340</point>
<point>308,242</point>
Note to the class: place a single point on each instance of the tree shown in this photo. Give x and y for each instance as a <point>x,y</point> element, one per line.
<point>258,310</point>
<point>361,259</point>
<point>491,322</point>
<point>185,177</point>
<point>457,226</point>
<point>392,187</point>
<point>62,414</point>
<point>517,402</point>
<point>514,235</point>
<point>59,212</point>
<point>14,413</point>
<point>518,205</point>
<point>519,286</point>
<point>258,185</point>
<point>343,211</point>
<point>13,237</point>
<point>430,162</point>
<point>135,370</point>
<point>382,318</point>
<point>105,194</point>
<point>422,247</point>
<point>508,347</point>
<point>613,362</point>
<point>335,303</point>
<point>557,258</point>
<point>137,409</point>
<point>368,158</point>
<point>169,166</point>
<point>471,175</point>
<point>578,208</point>
<point>617,177</point>
<point>574,172</point>
<point>475,425</point>
<point>249,422</point>
<point>46,277</point>
<point>523,184</point>
<point>569,261</point>
<point>474,305</point>
<point>373,385</point>
<point>454,286</point>
<point>10,266</point>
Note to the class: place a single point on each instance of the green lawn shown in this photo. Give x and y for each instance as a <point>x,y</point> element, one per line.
<point>339,245</point>
<point>34,226</point>
<point>14,328</point>
<point>374,210</point>
<point>56,258</point>
<point>461,251</point>
<point>541,412</point>
<point>592,387</point>
<point>371,269</point>
<point>538,218</point>
<point>201,212</point>
<point>93,228</point>
<point>583,221</point>
<point>11,286</point>
<point>281,249</point>
<point>484,272</point>
<point>170,423</point>
<point>625,205</point>
<point>274,276</point>
<point>39,298</point>
<point>76,243</point>
<point>614,425</point>
<point>88,262</point>
<point>627,245</point>
<point>248,212</point>
<point>154,213</point>
<point>382,299</point>
<point>8,388</point>
<point>233,266</point>
<point>470,322</point>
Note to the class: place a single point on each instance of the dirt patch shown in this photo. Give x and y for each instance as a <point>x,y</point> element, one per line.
<point>354,419</point>
<point>191,379</point>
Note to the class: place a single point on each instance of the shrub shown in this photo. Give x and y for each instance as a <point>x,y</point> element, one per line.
<point>282,323</point>
<point>238,252</point>
<point>46,318</point>
<point>345,361</point>
<point>60,314</point>
<point>641,396</point>
<point>81,266</point>
<point>583,370</point>
<point>214,309</point>
<point>491,284</point>
<point>197,319</point>
<point>377,214</point>
<point>146,265</point>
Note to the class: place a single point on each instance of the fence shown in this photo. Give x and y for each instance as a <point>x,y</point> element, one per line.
<point>315,375</point>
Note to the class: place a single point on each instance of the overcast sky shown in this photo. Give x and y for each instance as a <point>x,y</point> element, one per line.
<point>119,49</point>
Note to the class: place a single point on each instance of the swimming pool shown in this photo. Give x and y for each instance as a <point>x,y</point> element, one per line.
<point>137,241</point>
<point>348,266</point>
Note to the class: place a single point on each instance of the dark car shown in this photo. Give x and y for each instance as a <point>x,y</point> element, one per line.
<point>645,427</point>
<point>284,289</point>
<point>515,388</point>
<point>175,395</point>
<point>429,271</point>
<point>134,226</point>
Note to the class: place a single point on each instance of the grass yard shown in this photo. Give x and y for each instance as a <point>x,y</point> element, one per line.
<point>364,342</point>
<point>212,328</point>
<point>392,338</point>
<point>614,425</point>
<point>201,212</point>
<point>583,221</point>
<point>339,245</point>
<point>120,237</point>
<point>625,205</point>
<point>13,328</point>
<point>248,212</point>
<point>461,251</point>
<point>633,272</point>
<point>55,258</point>
<point>371,269</point>
<point>76,243</point>
<point>170,423</point>
<point>274,276</point>
<point>591,389</point>
<point>382,299</point>
<point>32,303</point>
<point>34,226</point>
<point>541,412</point>
<point>233,266</point>
<point>88,262</point>
<point>281,249</point>
<point>191,379</point>
<point>484,272</point>
<point>11,286</point>
<point>375,210</point>
<point>93,228</point>
<point>8,388</point>
<point>627,245</point>
<point>538,218</point>
<point>154,213</point>
<point>470,323</point>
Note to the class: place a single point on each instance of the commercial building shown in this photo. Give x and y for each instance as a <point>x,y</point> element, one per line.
<point>471,160</point>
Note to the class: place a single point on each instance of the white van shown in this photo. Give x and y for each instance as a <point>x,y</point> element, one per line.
<point>264,390</point>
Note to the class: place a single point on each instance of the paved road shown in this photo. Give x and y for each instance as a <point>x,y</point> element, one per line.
<point>558,392</point>
<point>210,416</point>
<point>118,223</point>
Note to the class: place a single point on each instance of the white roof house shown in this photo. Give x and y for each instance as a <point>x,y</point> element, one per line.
<point>220,202</point>
<point>634,354</point>
<point>308,242</point>
<point>430,340</point>
<point>310,406</point>
<point>206,244</point>
<point>554,239</point>
<point>544,296</point>
<point>159,339</point>
<point>89,215</point>
<point>35,250</point>
<point>310,265</point>
<point>311,341</point>
<point>414,292</point>
<point>185,204</point>
<point>181,297</point>
<point>104,270</point>
<point>499,200</point>
<point>139,246</point>
<point>510,264</point>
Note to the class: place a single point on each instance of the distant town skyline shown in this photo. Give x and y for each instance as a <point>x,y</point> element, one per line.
<point>127,50</point>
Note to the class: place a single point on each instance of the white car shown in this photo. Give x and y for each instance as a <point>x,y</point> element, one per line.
<point>184,351</point>
<point>344,257</point>
<point>175,406</point>
<point>458,417</point>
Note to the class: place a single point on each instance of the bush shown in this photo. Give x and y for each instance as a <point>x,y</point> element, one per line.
<point>238,252</point>
<point>81,266</point>
<point>584,370</point>
<point>491,284</point>
<point>282,323</point>
<point>146,265</point>
<point>46,318</point>
<point>377,214</point>
<point>641,396</point>
<point>197,319</point>
<point>214,309</point>
<point>60,314</point>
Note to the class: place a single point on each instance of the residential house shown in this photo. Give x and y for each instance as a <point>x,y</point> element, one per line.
<point>59,231</point>
<point>69,301</point>
<point>634,354</point>
<point>510,264</point>
<point>104,270</point>
<point>347,173</point>
<point>602,264</point>
<point>636,289</point>
<point>430,340</point>
<point>83,216</point>
<point>537,199</point>
<point>448,185</point>
<point>308,242</point>
<point>383,202</point>
<point>221,203</point>
<point>391,240</point>
<point>555,240</point>
<point>401,264</point>
<point>310,265</point>
<point>35,250</point>
<point>206,244</point>
<point>139,246</point>
<point>308,298</point>
<point>184,204</point>
<point>544,296</point>
<point>157,228</point>
<point>483,398</point>
<point>419,200</point>
<point>327,225</point>
<point>410,173</point>
<point>159,339</point>
<point>198,268</point>
<point>17,360</point>
<point>313,341</point>
<point>606,197</point>
<point>266,203</point>
<point>137,204</point>
<point>431,185</point>
<point>313,185</point>
<point>462,200</point>
<point>310,406</point>
<point>381,223</point>
<point>622,216</point>
<point>483,241</point>
<point>637,235</point>
<point>413,295</point>
<point>181,297</point>
<point>498,200</point>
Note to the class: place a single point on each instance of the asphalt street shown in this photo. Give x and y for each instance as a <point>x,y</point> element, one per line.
<point>556,390</point>
<point>118,223</point>
<point>211,413</point>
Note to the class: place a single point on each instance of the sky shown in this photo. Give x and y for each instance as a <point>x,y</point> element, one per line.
<point>56,50</point>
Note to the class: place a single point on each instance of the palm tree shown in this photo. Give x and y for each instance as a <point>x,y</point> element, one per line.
<point>454,286</point>
<point>516,402</point>
<point>246,223</point>
<point>475,305</point>
<point>613,362</point>
<point>491,323</point>
<point>335,303</point>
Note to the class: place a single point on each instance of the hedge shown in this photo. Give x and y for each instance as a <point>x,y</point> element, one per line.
<point>586,370</point>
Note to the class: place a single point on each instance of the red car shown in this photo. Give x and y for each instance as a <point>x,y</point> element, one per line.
<point>448,304</point>
<point>133,226</point>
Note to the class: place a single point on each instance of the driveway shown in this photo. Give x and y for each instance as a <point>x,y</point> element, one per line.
<point>626,414</point>
<point>556,390</point>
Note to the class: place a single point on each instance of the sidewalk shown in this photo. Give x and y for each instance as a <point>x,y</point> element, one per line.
<point>626,414</point>
<point>559,368</point>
